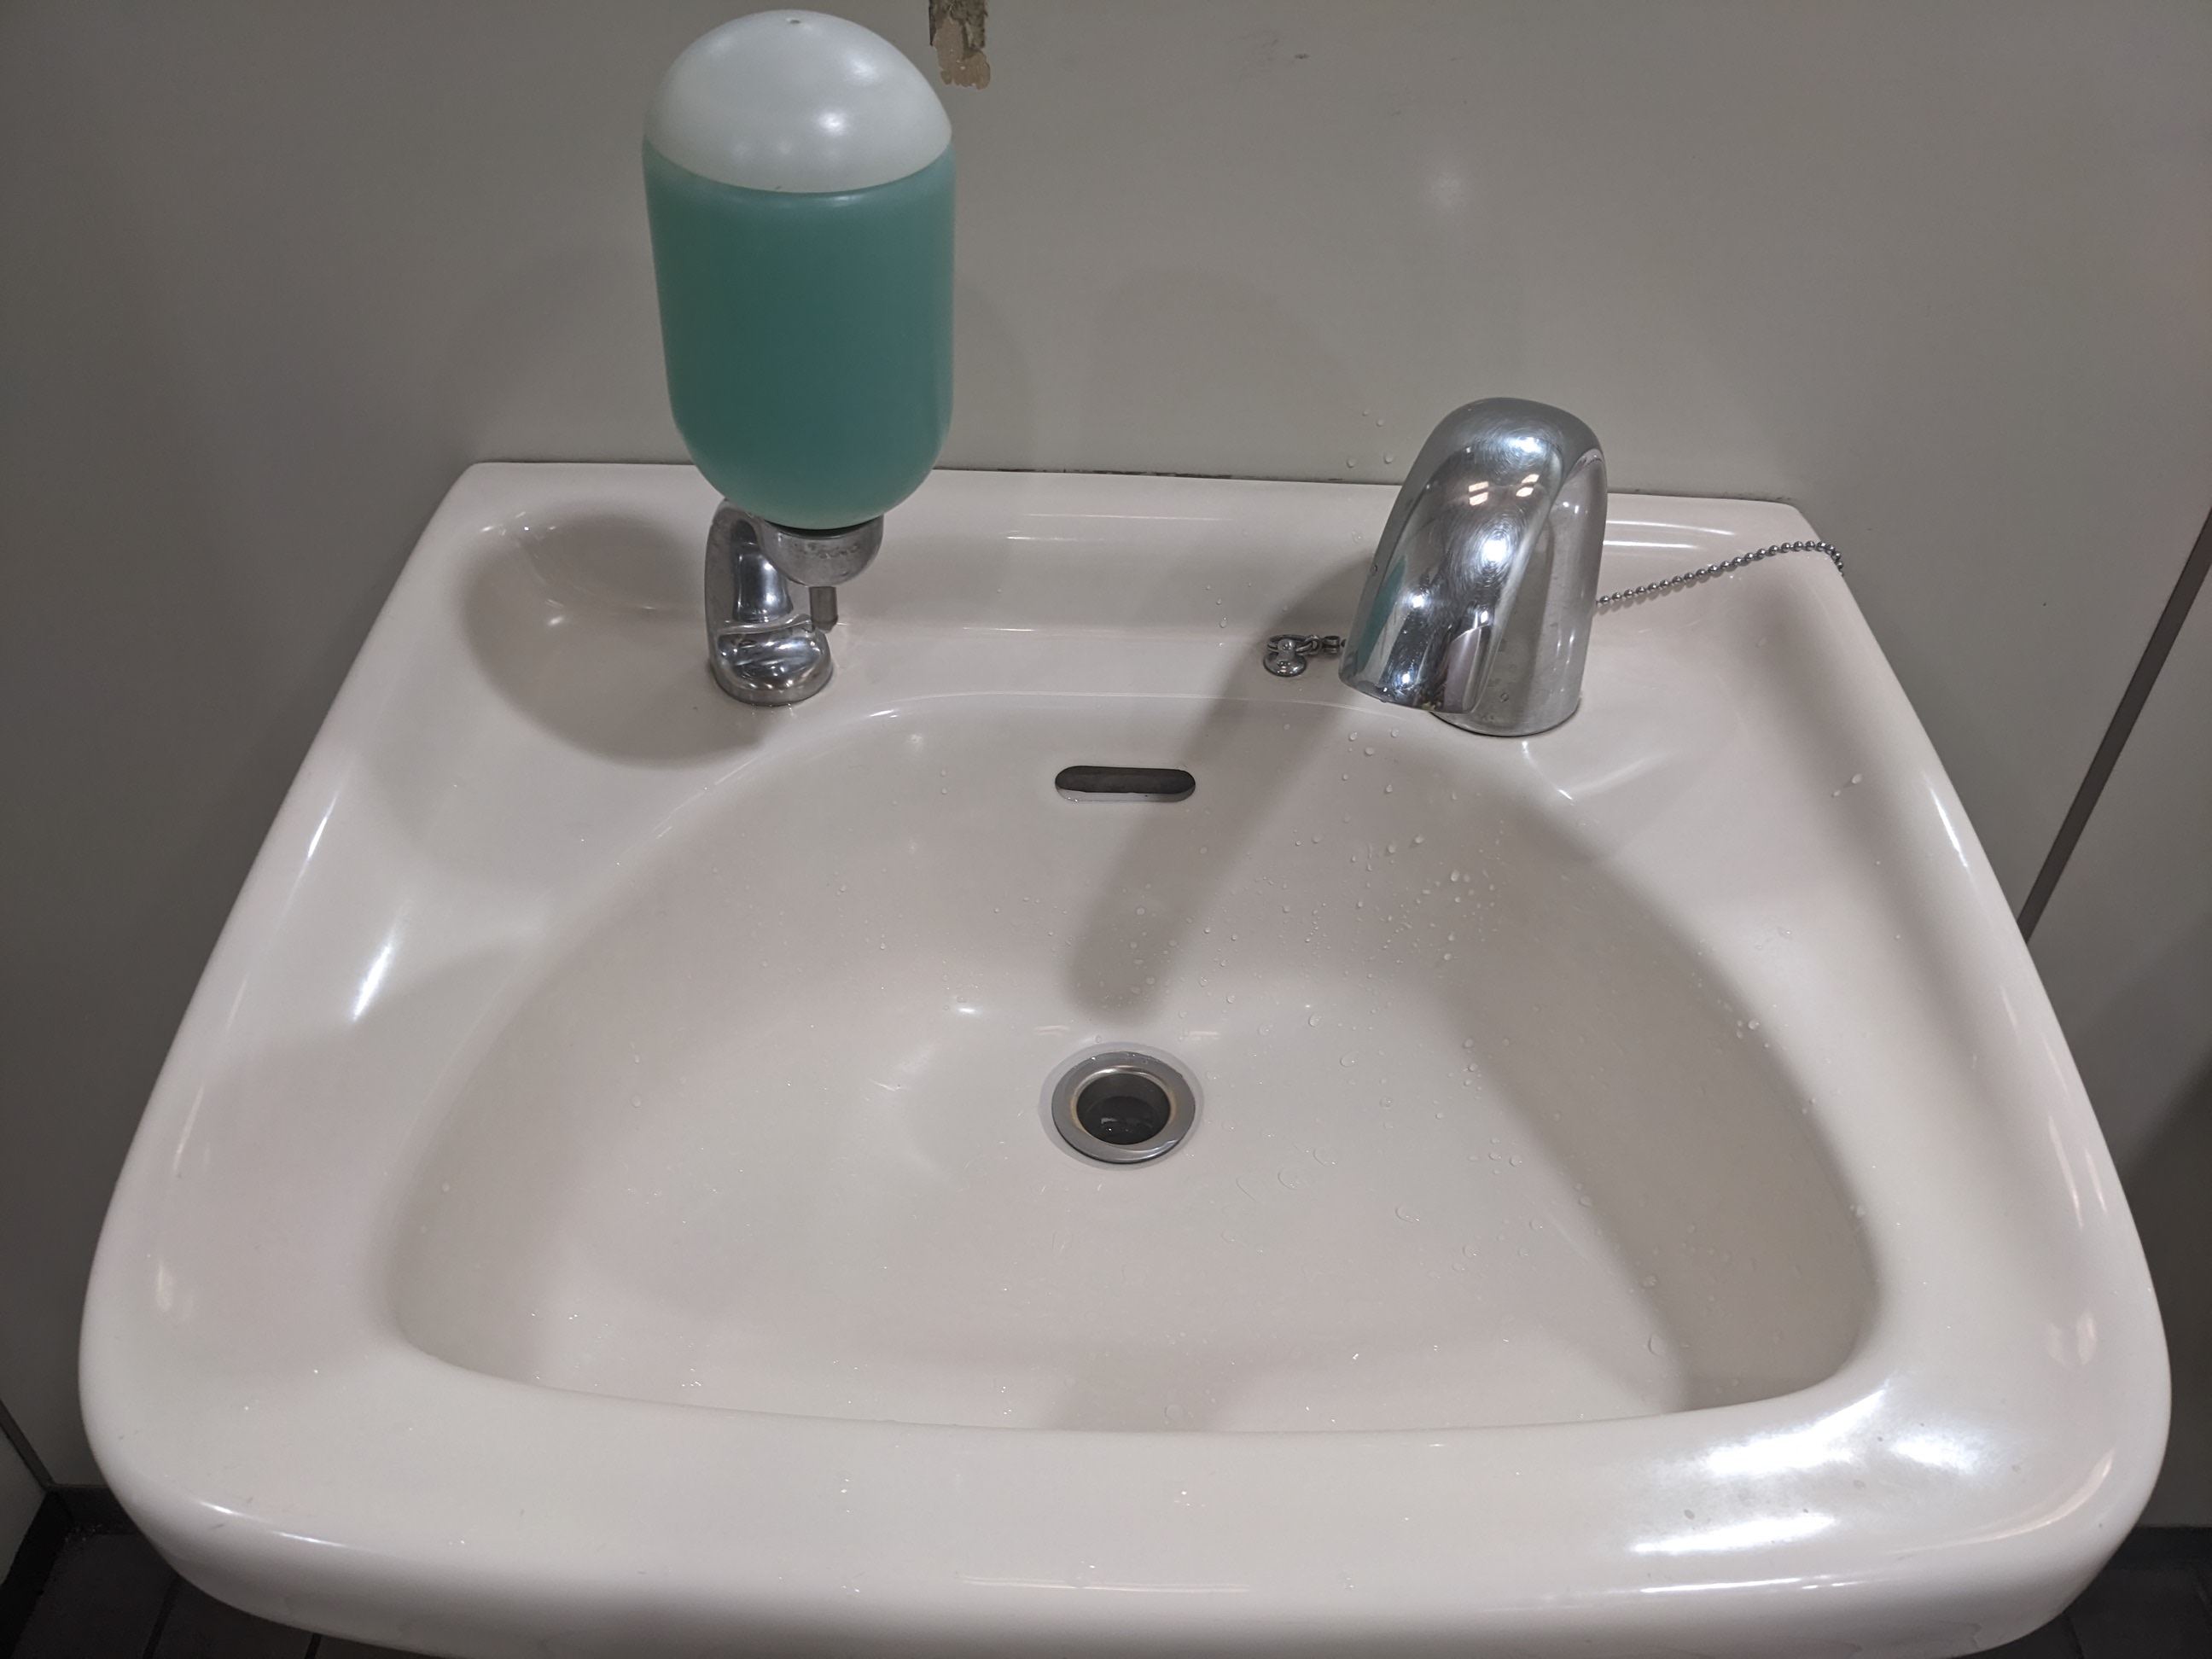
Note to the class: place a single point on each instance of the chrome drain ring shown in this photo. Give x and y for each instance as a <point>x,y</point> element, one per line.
<point>1123,1105</point>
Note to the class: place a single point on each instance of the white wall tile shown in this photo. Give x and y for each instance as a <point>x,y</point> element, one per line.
<point>275,274</point>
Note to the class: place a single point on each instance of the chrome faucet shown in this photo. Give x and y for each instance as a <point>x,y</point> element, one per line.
<point>1478,605</point>
<point>760,646</point>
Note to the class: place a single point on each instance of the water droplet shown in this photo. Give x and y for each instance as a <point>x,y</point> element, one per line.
<point>1348,1060</point>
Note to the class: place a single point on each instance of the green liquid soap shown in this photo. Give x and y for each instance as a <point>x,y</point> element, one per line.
<point>809,336</point>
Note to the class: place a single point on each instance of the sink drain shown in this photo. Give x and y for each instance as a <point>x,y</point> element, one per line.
<point>1123,1105</point>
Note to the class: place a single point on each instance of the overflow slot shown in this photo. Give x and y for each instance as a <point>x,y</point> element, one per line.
<point>1125,783</point>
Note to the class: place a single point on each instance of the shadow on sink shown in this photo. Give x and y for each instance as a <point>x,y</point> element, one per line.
<point>591,624</point>
<point>1482,1143</point>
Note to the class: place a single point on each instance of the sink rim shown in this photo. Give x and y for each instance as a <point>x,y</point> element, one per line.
<point>370,1435</point>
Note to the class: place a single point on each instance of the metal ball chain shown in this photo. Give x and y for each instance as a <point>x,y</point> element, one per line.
<point>1287,653</point>
<point>1723,568</point>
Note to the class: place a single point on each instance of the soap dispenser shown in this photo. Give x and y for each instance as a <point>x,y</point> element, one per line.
<point>798,187</point>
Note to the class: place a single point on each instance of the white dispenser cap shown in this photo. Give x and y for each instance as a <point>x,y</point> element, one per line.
<point>797,100</point>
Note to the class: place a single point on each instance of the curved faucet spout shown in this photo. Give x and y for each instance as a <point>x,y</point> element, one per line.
<point>1478,605</point>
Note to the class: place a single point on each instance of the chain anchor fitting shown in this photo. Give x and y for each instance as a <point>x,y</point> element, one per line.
<point>1288,654</point>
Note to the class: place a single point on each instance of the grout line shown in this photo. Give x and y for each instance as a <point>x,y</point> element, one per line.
<point>2124,722</point>
<point>161,1619</point>
<point>314,1647</point>
<point>12,1433</point>
<point>2073,1636</point>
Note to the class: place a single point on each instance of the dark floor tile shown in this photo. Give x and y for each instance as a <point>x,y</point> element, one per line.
<point>333,1647</point>
<point>2166,1546</point>
<point>104,1599</point>
<point>33,1565</point>
<point>2143,1613</point>
<point>200,1627</point>
<point>94,1509</point>
<point>2053,1641</point>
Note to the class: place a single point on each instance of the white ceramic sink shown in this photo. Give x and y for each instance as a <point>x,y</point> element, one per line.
<point>603,1198</point>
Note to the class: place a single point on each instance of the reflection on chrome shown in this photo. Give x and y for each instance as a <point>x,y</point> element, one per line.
<point>1478,609</point>
<point>1739,1534</point>
<point>1819,1444</point>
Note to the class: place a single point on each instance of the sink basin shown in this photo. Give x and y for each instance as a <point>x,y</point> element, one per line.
<point>606,1196</point>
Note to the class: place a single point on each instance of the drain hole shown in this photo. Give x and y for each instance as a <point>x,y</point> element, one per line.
<point>1125,783</point>
<point>1122,1108</point>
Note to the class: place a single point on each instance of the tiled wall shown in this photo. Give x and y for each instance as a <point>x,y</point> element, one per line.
<point>275,274</point>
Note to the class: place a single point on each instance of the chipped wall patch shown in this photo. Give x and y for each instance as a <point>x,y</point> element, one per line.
<point>956,29</point>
